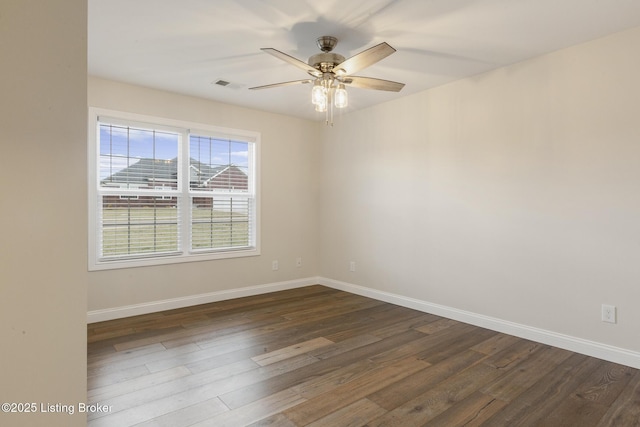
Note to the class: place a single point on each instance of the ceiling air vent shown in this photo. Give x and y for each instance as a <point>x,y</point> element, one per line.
<point>227,84</point>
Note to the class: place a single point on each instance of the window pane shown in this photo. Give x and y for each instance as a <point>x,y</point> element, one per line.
<point>219,223</point>
<point>239,153</point>
<point>218,165</point>
<point>144,213</point>
<point>134,225</point>
<point>137,158</point>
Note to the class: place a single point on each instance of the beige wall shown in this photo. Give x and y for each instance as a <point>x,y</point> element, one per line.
<point>513,194</point>
<point>43,103</point>
<point>289,150</point>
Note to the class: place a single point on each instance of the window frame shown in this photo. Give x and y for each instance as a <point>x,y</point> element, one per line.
<point>184,193</point>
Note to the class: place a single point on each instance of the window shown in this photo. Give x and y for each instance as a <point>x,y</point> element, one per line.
<point>164,191</point>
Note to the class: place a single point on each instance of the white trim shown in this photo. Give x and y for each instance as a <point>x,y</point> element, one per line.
<point>170,304</point>
<point>567,342</point>
<point>184,194</point>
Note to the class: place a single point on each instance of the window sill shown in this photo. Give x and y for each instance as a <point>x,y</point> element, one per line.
<point>115,264</point>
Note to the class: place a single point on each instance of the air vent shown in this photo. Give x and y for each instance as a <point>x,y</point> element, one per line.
<point>227,84</point>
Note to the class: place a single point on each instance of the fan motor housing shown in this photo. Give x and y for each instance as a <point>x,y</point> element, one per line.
<point>325,61</point>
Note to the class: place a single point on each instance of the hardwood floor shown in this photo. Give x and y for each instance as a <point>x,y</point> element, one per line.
<point>320,357</point>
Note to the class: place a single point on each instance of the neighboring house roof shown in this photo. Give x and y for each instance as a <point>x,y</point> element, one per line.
<point>148,171</point>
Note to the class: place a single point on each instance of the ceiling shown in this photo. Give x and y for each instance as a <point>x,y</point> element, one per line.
<point>185,46</point>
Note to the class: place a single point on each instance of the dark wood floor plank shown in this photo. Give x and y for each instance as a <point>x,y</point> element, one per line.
<point>217,357</point>
<point>276,331</point>
<point>232,388</point>
<point>426,343</point>
<point>594,396</point>
<point>438,325</point>
<point>344,346</point>
<point>354,415</point>
<point>173,320</point>
<point>403,391</point>
<point>263,340</point>
<point>255,411</point>
<point>495,344</point>
<point>97,335</point>
<point>513,354</point>
<point>237,311</point>
<point>425,407</point>
<point>533,406</point>
<point>282,302</point>
<point>131,336</point>
<point>277,420</point>
<point>103,379</point>
<point>351,325</point>
<point>580,413</point>
<point>156,408</point>
<point>605,384</point>
<point>182,335</point>
<point>526,373</point>
<point>126,323</point>
<point>348,393</point>
<point>98,394</point>
<point>625,410</point>
<point>385,315</point>
<point>119,364</point>
<point>187,416</point>
<point>472,411</point>
<point>414,322</point>
<point>274,301</point>
<point>216,382</point>
<point>291,351</point>
<point>323,357</point>
<point>300,329</point>
<point>314,372</point>
<point>329,381</point>
<point>346,305</point>
<point>111,357</point>
<point>451,348</point>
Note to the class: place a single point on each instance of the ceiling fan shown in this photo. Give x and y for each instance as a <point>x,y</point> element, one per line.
<point>331,72</point>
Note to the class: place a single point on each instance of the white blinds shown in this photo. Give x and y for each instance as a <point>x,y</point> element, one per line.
<point>139,225</point>
<point>221,223</point>
<point>157,197</point>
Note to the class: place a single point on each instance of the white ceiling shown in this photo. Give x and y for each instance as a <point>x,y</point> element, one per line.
<point>185,45</point>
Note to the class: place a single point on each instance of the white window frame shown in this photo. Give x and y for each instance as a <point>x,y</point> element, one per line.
<point>184,254</point>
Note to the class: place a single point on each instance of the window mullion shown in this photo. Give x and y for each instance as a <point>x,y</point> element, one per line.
<point>147,213</point>
<point>184,175</point>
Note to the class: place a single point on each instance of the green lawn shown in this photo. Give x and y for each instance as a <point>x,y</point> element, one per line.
<point>145,230</point>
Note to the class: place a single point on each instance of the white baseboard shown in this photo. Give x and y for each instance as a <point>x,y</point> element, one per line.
<point>170,304</point>
<point>567,342</point>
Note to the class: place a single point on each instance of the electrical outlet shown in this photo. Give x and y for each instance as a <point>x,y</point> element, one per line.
<point>274,265</point>
<point>608,313</point>
<point>352,266</point>
<point>299,262</point>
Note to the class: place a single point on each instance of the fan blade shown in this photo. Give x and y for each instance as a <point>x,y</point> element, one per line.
<point>371,83</point>
<point>293,82</point>
<point>363,59</point>
<point>293,61</point>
